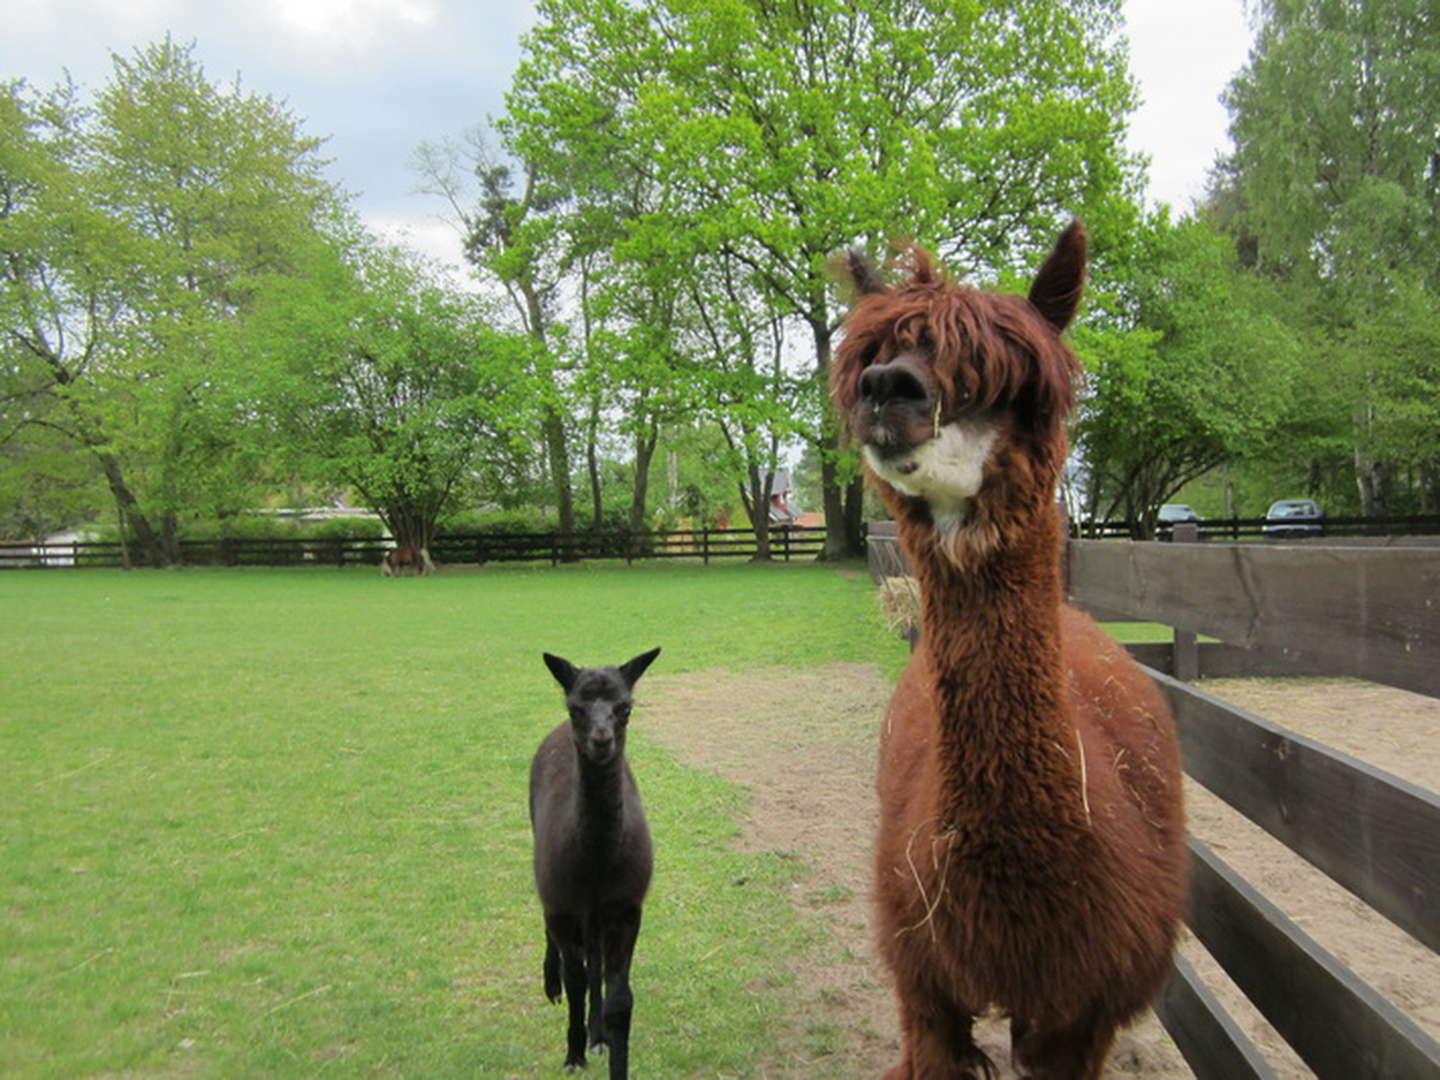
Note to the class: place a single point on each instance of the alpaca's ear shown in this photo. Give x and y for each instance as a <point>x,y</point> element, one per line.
<point>563,670</point>
<point>1060,283</point>
<point>631,670</point>
<point>856,276</point>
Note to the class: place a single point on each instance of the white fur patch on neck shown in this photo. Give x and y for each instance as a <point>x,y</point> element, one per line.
<point>947,470</point>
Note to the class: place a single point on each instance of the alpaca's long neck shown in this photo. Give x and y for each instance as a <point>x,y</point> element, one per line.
<point>991,632</point>
<point>601,798</point>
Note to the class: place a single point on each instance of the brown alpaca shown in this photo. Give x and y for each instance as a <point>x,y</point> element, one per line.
<point>1031,850</point>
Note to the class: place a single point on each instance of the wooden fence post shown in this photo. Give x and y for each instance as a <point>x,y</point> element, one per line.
<point>1185,661</point>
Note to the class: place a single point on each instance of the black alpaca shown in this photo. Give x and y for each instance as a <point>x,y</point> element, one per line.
<point>592,856</point>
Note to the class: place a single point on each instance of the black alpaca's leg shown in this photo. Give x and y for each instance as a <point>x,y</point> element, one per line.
<point>594,968</point>
<point>568,936</point>
<point>553,987</point>
<point>620,936</point>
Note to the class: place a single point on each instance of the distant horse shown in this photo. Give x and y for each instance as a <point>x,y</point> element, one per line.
<point>406,560</point>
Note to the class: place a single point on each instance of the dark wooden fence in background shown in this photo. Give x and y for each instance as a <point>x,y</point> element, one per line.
<point>1373,613</point>
<point>794,542</point>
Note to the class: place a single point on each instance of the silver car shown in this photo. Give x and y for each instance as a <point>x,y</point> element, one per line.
<point>1294,517</point>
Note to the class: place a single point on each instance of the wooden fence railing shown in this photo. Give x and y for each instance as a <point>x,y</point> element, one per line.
<point>1373,613</point>
<point>1288,530</point>
<point>789,543</point>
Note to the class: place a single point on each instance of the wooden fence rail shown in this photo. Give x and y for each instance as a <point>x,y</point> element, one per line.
<point>1390,528</point>
<point>1373,613</point>
<point>786,544</point>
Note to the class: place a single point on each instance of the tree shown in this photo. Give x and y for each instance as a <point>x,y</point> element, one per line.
<point>1334,190</point>
<point>788,130</point>
<point>512,232</point>
<point>1188,364</point>
<point>373,375</point>
<point>130,230</point>
<point>750,395</point>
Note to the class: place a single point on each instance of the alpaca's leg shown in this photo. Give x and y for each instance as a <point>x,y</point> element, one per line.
<point>935,1037</point>
<point>1075,1052</point>
<point>552,969</point>
<point>567,933</point>
<point>620,935</point>
<point>594,968</point>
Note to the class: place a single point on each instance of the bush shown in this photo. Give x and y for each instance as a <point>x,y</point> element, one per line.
<point>465,522</point>
<point>345,528</point>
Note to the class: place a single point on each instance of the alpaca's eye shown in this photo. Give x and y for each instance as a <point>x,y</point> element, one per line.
<point>622,713</point>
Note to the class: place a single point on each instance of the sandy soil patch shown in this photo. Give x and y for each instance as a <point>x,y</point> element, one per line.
<point>803,743</point>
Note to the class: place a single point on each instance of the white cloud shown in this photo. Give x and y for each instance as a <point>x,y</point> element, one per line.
<point>1183,55</point>
<point>349,29</point>
<point>435,239</point>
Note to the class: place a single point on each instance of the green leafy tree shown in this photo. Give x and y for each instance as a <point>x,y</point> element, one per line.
<point>1188,364</point>
<point>786,131</point>
<point>1334,190</point>
<point>513,233</point>
<point>130,231</point>
<point>749,393</point>
<point>373,375</point>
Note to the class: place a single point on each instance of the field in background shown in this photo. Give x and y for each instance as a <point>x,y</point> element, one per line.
<point>274,821</point>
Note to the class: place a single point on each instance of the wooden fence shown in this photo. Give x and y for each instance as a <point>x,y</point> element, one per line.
<point>1373,613</point>
<point>793,542</point>
<point>788,543</point>
<point>1389,529</point>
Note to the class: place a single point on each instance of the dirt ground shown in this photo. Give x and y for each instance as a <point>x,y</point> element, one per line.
<point>803,743</point>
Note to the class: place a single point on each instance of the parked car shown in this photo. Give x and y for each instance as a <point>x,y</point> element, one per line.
<point>1294,517</point>
<point>1175,513</point>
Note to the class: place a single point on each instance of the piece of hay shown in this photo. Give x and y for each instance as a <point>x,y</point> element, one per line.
<point>900,601</point>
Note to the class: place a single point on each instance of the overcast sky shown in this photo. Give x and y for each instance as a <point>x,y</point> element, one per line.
<point>379,76</point>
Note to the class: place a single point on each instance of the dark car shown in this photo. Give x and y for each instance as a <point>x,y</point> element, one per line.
<point>1294,517</point>
<point>1175,514</point>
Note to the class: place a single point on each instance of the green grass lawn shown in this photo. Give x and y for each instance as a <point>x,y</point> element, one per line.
<point>272,822</point>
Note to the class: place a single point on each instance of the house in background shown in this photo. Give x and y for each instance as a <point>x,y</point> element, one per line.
<point>780,513</point>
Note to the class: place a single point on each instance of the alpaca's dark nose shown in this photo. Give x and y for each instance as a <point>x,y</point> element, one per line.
<point>898,381</point>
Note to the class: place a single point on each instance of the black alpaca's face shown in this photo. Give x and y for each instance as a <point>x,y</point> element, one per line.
<point>599,701</point>
<point>599,710</point>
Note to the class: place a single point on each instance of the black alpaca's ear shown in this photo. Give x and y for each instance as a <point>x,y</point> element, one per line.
<point>1060,283</point>
<point>563,670</point>
<point>631,670</point>
<point>856,276</point>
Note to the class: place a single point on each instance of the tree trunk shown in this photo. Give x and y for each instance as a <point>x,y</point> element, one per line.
<point>756,499</point>
<point>1374,481</point>
<point>838,544</point>
<point>644,454</point>
<point>855,518</point>
<point>557,450</point>
<point>153,550</point>
<point>592,465</point>
<point>413,529</point>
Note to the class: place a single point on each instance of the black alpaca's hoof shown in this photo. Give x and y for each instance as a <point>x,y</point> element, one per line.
<point>574,1066</point>
<point>600,1045</point>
